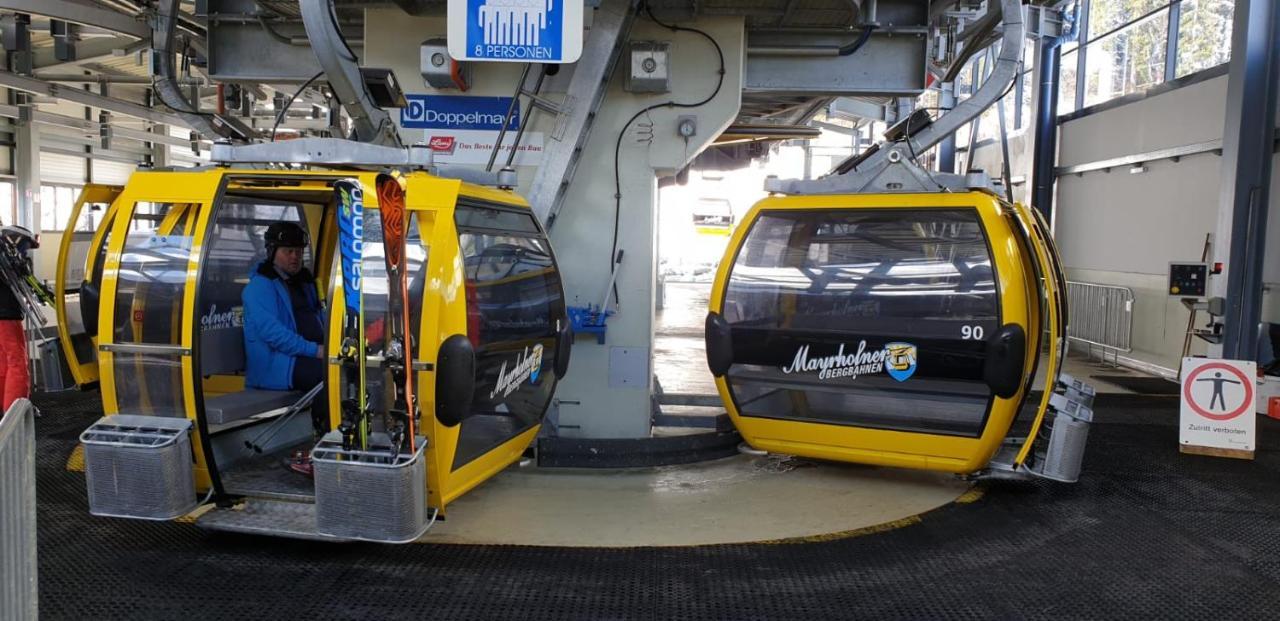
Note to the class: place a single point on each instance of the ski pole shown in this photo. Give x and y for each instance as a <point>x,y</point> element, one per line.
<point>275,427</point>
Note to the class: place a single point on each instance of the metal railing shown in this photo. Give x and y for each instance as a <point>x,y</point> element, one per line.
<point>18,512</point>
<point>1101,317</point>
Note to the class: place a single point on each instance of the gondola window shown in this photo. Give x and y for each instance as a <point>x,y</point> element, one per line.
<point>513,303</point>
<point>868,317</point>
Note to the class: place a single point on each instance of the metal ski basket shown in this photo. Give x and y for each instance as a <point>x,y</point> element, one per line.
<point>370,495</point>
<point>139,467</point>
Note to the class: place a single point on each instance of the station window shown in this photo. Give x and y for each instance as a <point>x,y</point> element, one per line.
<point>1204,34</point>
<point>56,202</point>
<point>1126,47</point>
<point>8,202</point>
<point>1126,61</point>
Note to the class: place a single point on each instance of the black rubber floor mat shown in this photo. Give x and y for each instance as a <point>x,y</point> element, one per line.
<point>1141,385</point>
<point>1147,533</point>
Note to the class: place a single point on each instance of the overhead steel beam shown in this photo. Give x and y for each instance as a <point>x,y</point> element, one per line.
<point>370,122</point>
<point>88,50</point>
<point>84,98</point>
<point>850,108</point>
<point>80,13</point>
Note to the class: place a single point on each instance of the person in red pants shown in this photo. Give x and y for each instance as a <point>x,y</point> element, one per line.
<point>15,380</point>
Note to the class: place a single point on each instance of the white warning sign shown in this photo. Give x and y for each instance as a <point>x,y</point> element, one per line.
<point>1218,404</point>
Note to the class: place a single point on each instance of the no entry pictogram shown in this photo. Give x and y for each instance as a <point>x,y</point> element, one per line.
<point>1223,379</point>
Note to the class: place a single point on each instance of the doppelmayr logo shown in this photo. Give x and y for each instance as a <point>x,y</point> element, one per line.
<point>457,112</point>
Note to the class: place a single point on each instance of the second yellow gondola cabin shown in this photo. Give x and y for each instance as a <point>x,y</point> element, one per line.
<point>489,341</point>
<point>888,318</point>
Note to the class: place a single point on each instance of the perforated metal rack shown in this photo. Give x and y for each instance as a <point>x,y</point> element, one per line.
<point>139,467</point>
<point>370,495</point>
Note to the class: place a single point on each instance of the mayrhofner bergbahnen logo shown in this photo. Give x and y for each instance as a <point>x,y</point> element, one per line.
<point>897,359</point>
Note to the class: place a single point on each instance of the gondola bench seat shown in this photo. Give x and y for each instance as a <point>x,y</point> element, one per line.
<point>236,406</point>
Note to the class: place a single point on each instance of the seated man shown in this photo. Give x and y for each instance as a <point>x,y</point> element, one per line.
<point>284,325</point>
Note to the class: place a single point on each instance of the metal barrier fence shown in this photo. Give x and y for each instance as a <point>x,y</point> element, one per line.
<point>18,512</point>
<point>1101,316</point>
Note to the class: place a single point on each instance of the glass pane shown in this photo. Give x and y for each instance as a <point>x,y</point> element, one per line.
<point>1127,61</point>
<point>149,384</point>
<point>514,307</point>
<point>829,309</point>
<point>77,257</point>
<point>1107,15</point>
<point>66,200</point>
<point>148,310</point>
<point>1067,83</point>
<point>1028,97</point>
<point>1204,34</point>
<point>48,207</point>
<point>374,300</point>
<point>481,217</point>
<point>153,276</point>
<point>8,198</point>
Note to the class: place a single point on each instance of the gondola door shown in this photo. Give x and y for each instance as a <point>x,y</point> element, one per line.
<point>884,329</point>
<point>78,281</point>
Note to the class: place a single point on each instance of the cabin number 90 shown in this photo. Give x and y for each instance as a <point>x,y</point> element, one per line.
<point>973,333</point>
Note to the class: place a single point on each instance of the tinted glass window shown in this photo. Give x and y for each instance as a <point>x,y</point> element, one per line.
<point>82,232</point>
<point>475,216</point>
<point>514,306</point>
<point>234,249</point>
<point>864,317</point>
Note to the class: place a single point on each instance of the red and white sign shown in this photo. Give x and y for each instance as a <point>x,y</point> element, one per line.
<point>474,146</point>
<point>1218,403</point>
<point>443,144</point>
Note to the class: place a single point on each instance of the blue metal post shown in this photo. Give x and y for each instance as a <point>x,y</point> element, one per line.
<point>1247,152</point>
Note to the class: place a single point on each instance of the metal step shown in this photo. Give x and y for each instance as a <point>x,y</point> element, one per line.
<point>261,516</point>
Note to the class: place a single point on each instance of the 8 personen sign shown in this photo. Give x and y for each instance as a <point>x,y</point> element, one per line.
<point>1217,414</point>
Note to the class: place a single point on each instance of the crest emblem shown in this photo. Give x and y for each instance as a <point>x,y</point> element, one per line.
<point>900,362</point>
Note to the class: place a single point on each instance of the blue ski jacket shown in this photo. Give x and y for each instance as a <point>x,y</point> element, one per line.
<point>271,339</point>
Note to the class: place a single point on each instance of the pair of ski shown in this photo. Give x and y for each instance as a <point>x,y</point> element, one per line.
<point>357,231</point>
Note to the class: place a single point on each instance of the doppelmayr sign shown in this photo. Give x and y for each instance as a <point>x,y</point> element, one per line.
<point>457,112</point>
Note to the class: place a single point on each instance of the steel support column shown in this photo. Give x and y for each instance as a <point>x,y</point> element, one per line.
<point>1046,128</point>
<point>947,148</point>
<point>26,164</point>
<point>1247,154</point>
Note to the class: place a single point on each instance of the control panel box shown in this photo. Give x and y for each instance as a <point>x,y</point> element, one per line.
<point>1188,280</point>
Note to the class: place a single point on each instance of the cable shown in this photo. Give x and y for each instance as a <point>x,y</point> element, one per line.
<point>857,45</point>
<point>617,147</point>
<point>284,109</point>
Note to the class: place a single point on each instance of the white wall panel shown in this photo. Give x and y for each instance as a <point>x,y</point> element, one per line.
<point>114,173</point>
<point>58,168</point>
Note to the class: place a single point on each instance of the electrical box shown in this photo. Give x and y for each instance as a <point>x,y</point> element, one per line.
<point>648,67</point>
<point>1188,280</point>
<point>440,70</point>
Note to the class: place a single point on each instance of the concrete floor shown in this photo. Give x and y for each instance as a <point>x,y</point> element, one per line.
<point>735,500</point>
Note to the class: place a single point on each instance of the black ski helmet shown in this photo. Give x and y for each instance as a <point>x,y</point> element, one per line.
<point>285,235</point>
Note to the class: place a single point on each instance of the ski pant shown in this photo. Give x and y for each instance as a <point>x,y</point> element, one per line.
<point>307,372</point>
<point>15,380</point>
